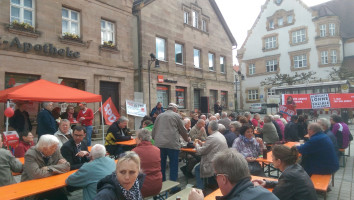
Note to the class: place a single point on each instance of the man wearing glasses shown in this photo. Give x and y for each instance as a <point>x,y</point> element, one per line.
<point>75,150</point>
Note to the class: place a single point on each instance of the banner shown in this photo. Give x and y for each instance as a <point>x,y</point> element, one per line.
<point>135,108</point>
<point>321,101</point>
<point>287,111</point>
<point>110,113</point>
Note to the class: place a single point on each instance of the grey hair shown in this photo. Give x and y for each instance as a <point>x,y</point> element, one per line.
<point>202,116</point>
<point>98,151</point>
<point>45,104</point>
<point>276,116</point>
<point>236,124</point>
<point>267,119</point>
<point>186,120</point>
<point>217,114</point>
<point>223,115</point>
<point>221,128</point>
<point>247,114</point>
<point>232,164</point>
<point>316,127</point>
<point>122,119</point>
<point>200,121</point>
<point>143,134</point>
<point>64,120</point>
<point>214,126</point>
<point>127,156</point>
<point>324,122</point>
<point>46,140</point>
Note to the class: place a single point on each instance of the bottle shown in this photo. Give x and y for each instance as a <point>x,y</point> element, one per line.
<point>178,198</point>
<point>265,151</point>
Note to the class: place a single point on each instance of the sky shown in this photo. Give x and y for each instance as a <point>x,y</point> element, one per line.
<point>240,15</point>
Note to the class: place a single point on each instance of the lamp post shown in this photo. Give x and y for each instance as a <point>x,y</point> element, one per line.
<point>152,59</point>
<point>239,74</point>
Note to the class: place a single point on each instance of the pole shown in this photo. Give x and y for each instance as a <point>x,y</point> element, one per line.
<point>102,110</point>
<point>7,119</point>
<point>149,66</point>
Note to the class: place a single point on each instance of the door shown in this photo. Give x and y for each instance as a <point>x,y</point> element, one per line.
<point>196,99</point>
<point>110,89</point>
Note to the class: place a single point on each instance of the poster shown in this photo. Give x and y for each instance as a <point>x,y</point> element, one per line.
<point>135,108</point>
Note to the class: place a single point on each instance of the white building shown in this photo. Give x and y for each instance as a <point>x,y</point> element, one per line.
<point>289,37</point>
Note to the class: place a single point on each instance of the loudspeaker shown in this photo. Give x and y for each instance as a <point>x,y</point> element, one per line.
<point>204,104</point>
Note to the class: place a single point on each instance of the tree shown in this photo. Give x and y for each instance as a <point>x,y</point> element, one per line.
<point>341,73</point>
<point>281,79</point>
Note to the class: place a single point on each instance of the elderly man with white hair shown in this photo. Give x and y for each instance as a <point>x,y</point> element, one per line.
<point>45,160</point>
<point>90,173</point>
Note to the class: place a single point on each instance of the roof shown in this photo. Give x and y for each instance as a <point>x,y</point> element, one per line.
<point>310,85</point>
<point>143,3</point>
<point>43,90</point>
<point>341,8</point>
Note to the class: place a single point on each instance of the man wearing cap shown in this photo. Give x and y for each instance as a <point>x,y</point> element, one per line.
<point>167,130</point>
<point>85,117</point>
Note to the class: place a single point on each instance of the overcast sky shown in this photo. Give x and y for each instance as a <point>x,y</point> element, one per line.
<point>241,14</point>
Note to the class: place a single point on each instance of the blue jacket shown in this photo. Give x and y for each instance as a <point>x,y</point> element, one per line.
<point>46,123</point>
<point>89,174</point>
<point>319,155</point>
<point>230,137</point>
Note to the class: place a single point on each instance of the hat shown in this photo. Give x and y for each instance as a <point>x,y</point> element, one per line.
<point>172,105</point>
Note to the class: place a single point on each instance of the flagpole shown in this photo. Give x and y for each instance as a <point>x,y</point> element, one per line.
<point>102,110</point>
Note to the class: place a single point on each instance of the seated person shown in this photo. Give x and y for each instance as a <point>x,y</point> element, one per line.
<point>26,141</point>
<point>148,125</point>
<point>70,114</point>
<point>250,147</point>
<point>233,178</point>
<point>270,135</point>
<point>233,133</point>
<point>291,131</point>
<point>75,150</point>
<point>214,143</point>
<point>198,131</point>
<point>117,132</point>
<point>125,183</point>
<point>187,124</point>
<point>45,160</point>
<point>325,126</point>
<point>8,164</point>
<point>150,163</point>
<point>90,173</point>
<point>318,154</point>
<point>294,182</point>
<point>64,132</point>
<point>256,121</point>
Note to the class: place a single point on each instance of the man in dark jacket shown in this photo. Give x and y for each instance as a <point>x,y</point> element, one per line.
<point>117,132</point>
<point>217,107</point>
<point>234,180</point>
<point>45,120</point>
<point>291,130</point>
<point>75,150</point>
<point>158,109</point>
<point>20,121</point>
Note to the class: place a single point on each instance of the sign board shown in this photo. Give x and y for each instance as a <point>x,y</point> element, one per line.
<point>135,108</point>
<point>320,101</point>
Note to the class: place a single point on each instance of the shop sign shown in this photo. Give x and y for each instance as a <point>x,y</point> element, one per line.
<point>46,49</point>
<point>169,81</point>
<point>160,78</point>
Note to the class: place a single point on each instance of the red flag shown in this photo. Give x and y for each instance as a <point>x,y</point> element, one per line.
<point>287,111</point>
<point>110,113</point>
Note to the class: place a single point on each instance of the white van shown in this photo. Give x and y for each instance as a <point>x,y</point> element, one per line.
<point>258,108</point>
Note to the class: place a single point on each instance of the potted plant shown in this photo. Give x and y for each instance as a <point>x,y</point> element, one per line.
<point>109,44</point>
<point>23,26</point>
<point>71,36</point>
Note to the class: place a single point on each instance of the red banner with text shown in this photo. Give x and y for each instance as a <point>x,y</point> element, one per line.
<point>319,101</point>
<point>110,113</point>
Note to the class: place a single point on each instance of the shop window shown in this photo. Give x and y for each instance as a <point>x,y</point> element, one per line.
<point>181,97</point>
<point>163,95</point>
<point>223,99</point>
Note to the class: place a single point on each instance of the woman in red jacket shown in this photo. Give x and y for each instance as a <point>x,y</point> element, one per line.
<point>26,141</point>
<point>150,163</point>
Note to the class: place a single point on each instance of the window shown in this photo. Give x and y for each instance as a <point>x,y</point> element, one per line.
<point>334,56</point>
<point>211,61</point>
<point>222,64</point>
<point>179,53</point>
<point>324,57</point>
<point>323,30</point>
<point>107,32</point>
<point>22,11</point>
<point>280,22</point>
<point>180,97</point>
<point>271,65</point>
<point>332,29</point>
<point>271,92</point>
<point>300,61</point>
<point>271,24</point>
<point>70,21</point>
<point>204,26</point>
<point>290,19</point>
<point>163,95</point>
<point>196,53</point>
<point>223,97</point>
<point>186,17</point>
<point>160,48</point>
<point>252,94</point>
<point>299,36</point>
<point>195,19</point>
<point>271,42</point>
<point>251,69</point>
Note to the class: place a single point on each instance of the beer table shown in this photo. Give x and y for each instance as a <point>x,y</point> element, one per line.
<point>131,142</point>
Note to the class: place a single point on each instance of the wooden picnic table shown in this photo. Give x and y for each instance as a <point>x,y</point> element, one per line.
<point>189,150</point>
<point>131,142</point>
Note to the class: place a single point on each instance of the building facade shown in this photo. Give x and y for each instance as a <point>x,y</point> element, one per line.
<point>291,38</point>
<point>194,47</point>
<point>82,44</point>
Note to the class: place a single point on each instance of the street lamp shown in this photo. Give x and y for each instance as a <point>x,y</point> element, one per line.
<point>239,74</point>
<point>157,64</point>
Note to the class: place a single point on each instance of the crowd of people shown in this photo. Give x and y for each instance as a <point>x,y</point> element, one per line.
<point>227,147</point>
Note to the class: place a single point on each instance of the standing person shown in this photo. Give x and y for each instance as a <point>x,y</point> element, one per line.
<point>294,183</point>
<point>167,130</point>
<point>64,132</point>
<point>8,164</point>
<point>46,121</point>
<point>90,173</point>
<point>26,141</point>
<point>217,108</point>
<point>150,163</point>
<point>69,114</point>
<point>20,121</point>
<point>158,109</point>
<point>85,117</point>
<point>291,132</point>
<point>339,125</point>
<point>117,132</point>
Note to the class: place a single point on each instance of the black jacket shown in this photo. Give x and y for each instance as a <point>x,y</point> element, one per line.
<point>293,184</point>
<point>18,121</point>
<point>291,132</point>
<point>69,150</point>
<point>278,130</point>
<point>108,187</point>
<point>116,131</point>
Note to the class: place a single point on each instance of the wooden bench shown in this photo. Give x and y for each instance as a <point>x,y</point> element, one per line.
<point>321,182</point>
<point>166,186</point>
<point>183,194</point>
